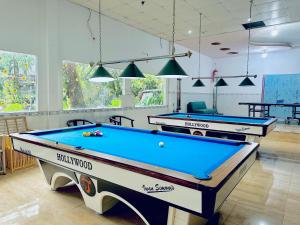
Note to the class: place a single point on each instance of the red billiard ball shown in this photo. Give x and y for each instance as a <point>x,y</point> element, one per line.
<point>98,133</point>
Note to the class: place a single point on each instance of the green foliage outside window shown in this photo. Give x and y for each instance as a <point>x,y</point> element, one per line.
<point>79,92</point>
<point>17,82</point>
<point>148,91</point>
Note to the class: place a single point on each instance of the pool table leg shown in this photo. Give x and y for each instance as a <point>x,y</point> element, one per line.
<point>253,138</point>
<point>177,216</point>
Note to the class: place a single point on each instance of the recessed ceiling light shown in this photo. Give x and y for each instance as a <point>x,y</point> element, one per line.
<point>215,43</point>
<point>264,54</point>
<point>224,49</point>
<point>274,33</point>
<point>190,31</point>
<point>232,53</point>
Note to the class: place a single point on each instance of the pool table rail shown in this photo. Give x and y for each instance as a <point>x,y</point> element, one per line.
<point>259,129</point>
<point>187,180</point>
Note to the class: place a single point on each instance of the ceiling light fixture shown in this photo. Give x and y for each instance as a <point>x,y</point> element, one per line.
<point>190,31</point>
<point>274,32</point>
<point>101,74</point>
<point>247,81</point>
<point>264,54</point>
<point>221,83</point>
<point>232,53</point>
<point>224,49</point>
<point>132,72</point>
<point>199,83</point>
<point>215,43</point>
<point>172,69</point>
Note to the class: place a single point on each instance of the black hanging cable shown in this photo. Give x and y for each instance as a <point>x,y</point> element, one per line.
<point>249,37</point>
<point>199,45</point>
<point>100,32</point>
<point>173,28</point>
<point>89,25</point>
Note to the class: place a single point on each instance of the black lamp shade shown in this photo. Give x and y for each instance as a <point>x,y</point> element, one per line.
<point>172,70</point>
<point>101,75</point>
<point>132,72</point>
<point>246,82</point>
<point>198,83</point>
<point>221,83</point>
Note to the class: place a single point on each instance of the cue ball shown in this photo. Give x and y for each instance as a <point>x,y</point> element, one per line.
<point>161,144</point>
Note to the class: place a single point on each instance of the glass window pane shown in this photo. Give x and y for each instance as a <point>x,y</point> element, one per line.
<point>79,92</point>
<point>18,87</point>
<point>149,91</point>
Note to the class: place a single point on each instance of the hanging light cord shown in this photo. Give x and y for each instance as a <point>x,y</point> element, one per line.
<point>89,25</point>
<point>173,29</point>
<point>199,45</point>
<point>100,29</point>
<point>249,36</point>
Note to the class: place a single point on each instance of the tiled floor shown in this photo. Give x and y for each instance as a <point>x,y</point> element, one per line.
<point>269,194</point>
<point>281,144</point>
<point>290,128</point>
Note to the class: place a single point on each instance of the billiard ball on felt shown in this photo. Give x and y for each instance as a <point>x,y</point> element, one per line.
<point>86,134</point>
<point>161,144</point>
<point>98,133</point>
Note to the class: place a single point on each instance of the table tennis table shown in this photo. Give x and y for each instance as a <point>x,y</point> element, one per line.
<point>264,109</point>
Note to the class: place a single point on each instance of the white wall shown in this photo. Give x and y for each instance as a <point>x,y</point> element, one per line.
<point>55,30</point>
<point>190,93</point>
<point>284,62</point>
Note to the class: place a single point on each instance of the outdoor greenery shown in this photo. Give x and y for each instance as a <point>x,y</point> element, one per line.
<point>17,82</point>
<point>148,91</point>
<point>18,86</point>
<point>79,92</point>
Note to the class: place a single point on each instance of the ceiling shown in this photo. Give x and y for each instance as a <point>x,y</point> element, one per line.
<point>275,38</point>
<point>222,21</point>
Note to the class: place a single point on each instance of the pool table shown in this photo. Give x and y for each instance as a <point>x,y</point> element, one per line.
<point>166,178</point>
<point>219,126</point>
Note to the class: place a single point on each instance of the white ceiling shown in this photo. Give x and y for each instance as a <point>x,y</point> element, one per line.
<point>221,21</point>
<point>284,34</point>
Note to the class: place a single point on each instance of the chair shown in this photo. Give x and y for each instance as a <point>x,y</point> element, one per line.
<point>117,120</point>
<point>13,160</point>
<point>2,157</point>
<point>199,107</point>
<point>78,122</point>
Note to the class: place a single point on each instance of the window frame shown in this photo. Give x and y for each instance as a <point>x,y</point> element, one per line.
<point>37,105</point>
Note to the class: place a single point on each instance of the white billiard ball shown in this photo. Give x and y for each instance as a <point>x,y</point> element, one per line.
<point>161,144</point>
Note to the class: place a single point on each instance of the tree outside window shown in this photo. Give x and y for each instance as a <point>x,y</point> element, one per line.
<point>80,93</point>
<point>148,91</point>
<point>18,88</point>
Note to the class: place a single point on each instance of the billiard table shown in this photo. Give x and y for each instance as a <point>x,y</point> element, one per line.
<point>166,178</point>
<point>219,126</point>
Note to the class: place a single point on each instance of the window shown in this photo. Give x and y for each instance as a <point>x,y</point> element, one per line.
<point>148,91</point>
<point>79,92</point>
<point>18,88</point>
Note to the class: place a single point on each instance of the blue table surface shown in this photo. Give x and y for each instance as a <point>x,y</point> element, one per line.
<point>232,119</point>
<point>197,156</point>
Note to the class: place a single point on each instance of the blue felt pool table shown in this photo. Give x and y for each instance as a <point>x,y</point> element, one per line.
<point>219,126</point>
<point>169,170</point>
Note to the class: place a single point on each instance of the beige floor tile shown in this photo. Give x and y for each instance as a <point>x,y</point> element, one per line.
<point>245,215</point>
<point>269,194</point>
<point>290,219</point>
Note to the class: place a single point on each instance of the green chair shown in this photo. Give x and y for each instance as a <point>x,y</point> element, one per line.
<point>200,108</point>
